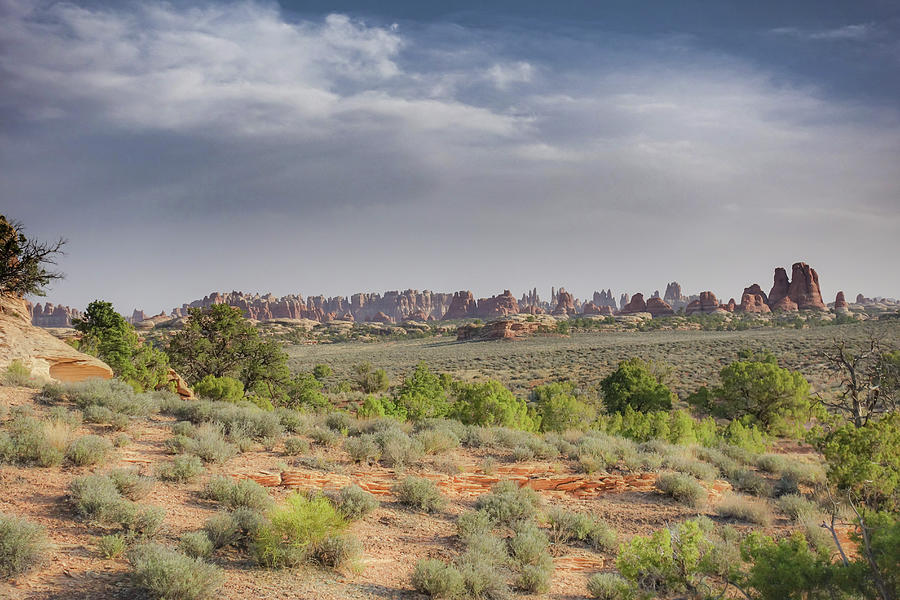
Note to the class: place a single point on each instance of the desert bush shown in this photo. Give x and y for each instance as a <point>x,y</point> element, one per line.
<point>22,545</point>
<point>528,550</point>
<point>796,506</point>
<point>419,493</point>
<point>507,503</point>
<point>337,551</point>
<point>243,418</point>
<point>146,522</point>
<point>210,445</point>
<point>130,484</point>
<point>397,449</point>
<point>88,450</point>
<point>293,421</point>
<point>803,472</point>
<point>559,408</point>
<point>180,444</point>
<point>104,416</point>
<point>785,486</point>
<point>447,465</point>
<point>295,530</point>
<point>353,502</point>
<point>610,586</point>
<point>772,463</point>
<point>364,449</point>
<point>482,568</point>
<point>233,494</point>
<point>437,441</point>
<point>70,418</point>
<point>113,394</point>
<point>112,546</point>
<point>30,441</point>
<point>221,529</point>
<point>295,445</point>
<point>736,506</point>
<point>96,497</point>
<point>724,463</point>
<point>474,524</point>
<point>437,579</point>
<point>479,437</point>
<point>196,544</point>
<point>697,468</point>
<point>168,574</point>
<point>17,374</point>
<point>751,482</point>
<point>121,440</point>
<point>182,468</point>
<point>566,526</point>
<point>683,488</point>
<point>523,454</point>
<point>325,437</point>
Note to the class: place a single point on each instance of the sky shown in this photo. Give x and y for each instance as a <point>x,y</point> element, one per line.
<point>336,147</point>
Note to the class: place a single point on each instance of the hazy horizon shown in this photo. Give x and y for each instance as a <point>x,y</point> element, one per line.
<point>335,147</point>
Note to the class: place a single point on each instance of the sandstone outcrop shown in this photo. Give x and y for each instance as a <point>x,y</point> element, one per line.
<point>381,318</point>
<point>635,305</point>
<point>658,307</point>
<point>46,356</point>
<point>463,306</point>
<point>801,292</point>
<point>498,329</point>
<point>707,304</point>
<point>840,304</point>
<point>623,300</point>
<point>753,300</point>
<point>674,297</point>
<point>565,303</point>
<point>605,298</point>
<point>497,306</point>
<point>50,315</point>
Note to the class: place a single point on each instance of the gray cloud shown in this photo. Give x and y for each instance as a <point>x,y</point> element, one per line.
<point>223,146</point>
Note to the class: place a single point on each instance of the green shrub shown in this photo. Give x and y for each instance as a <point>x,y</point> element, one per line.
<point>22,545</point>
<point>17,374</point>
<point>610,586</point>
<point>30,441</point>
<point>437,441</point>
<point>236,420</point>
<point>559,409</point>
<point>751,482</point>
<point>112,546</point>
<point>131,484</point>
<point>182,468</point>
<point>634,384</point>
<point>184,428</point>
<point>146,522</point>
<point>490,403</point>
<point>796,506</point>
<point>221,529</point>
<point>210,445</point>
<point>196,544</point>
<point>295,445</point>
<point>507,503</point>
<point>96,497</point>
<point>481,568</point>
<point>325,437</point>
<point>60,414</point>
<point>669,561</point>
<point>293,421</point>
<point>437,579</point>
<point>337,551</point>
<point>353,502</point>
<point>736,506</point>
<point>114,394</point>
<point>697,468</point>
<point>683,488</point>
<point>363,449</point>
<point>320,372</point>
<point>528,550</point>
<point>225,389</point>
<point>422,395</point>
<point>474,524</point>
<point>419,493</point>
<point>295,530</point>
<point>233,494</point>
<point>772,463</point>
<point>88,450</point>
<point>567,526</point>
<point>398,450</point>
<point>168,574</point>
<point>523,454</point>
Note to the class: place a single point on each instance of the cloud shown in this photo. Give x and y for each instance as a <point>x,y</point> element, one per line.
<point>234,129</point>
<point>856,32</point>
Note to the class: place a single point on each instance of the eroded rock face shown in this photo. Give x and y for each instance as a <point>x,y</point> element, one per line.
<point>674,297</point>
<point>840,304</point>
<point>382,318</point>
<point>50,315</point>
<point>497,306</point>
<point>753,300</point>
<point>659,308</point>
<point>635,305</point>
<point>565,303</point>
<point>46,356</point>
<point>605,298</point>
<point>801,292</point>
<point>707,303</point>
<point>804,289</point>
<point>463,306</point>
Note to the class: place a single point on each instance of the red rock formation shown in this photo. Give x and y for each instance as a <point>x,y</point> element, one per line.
<point>605,298</point>
<point>658,307</point>
<point>804,289</point>
<point>463,306</point>
<point>49,315</point>
<point>565,303</point>
<point>635,305</point>
<point>753,300</point>
<point>498,329</point>
<point>731,305</point>
<point>706,304</point>
<point>840,301</point>
<point>417,316</point>
<point>589,308</point>
<point>382,318</point>
<point>780,288</point>
<point>623,300</point>
<point>497,306</point>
